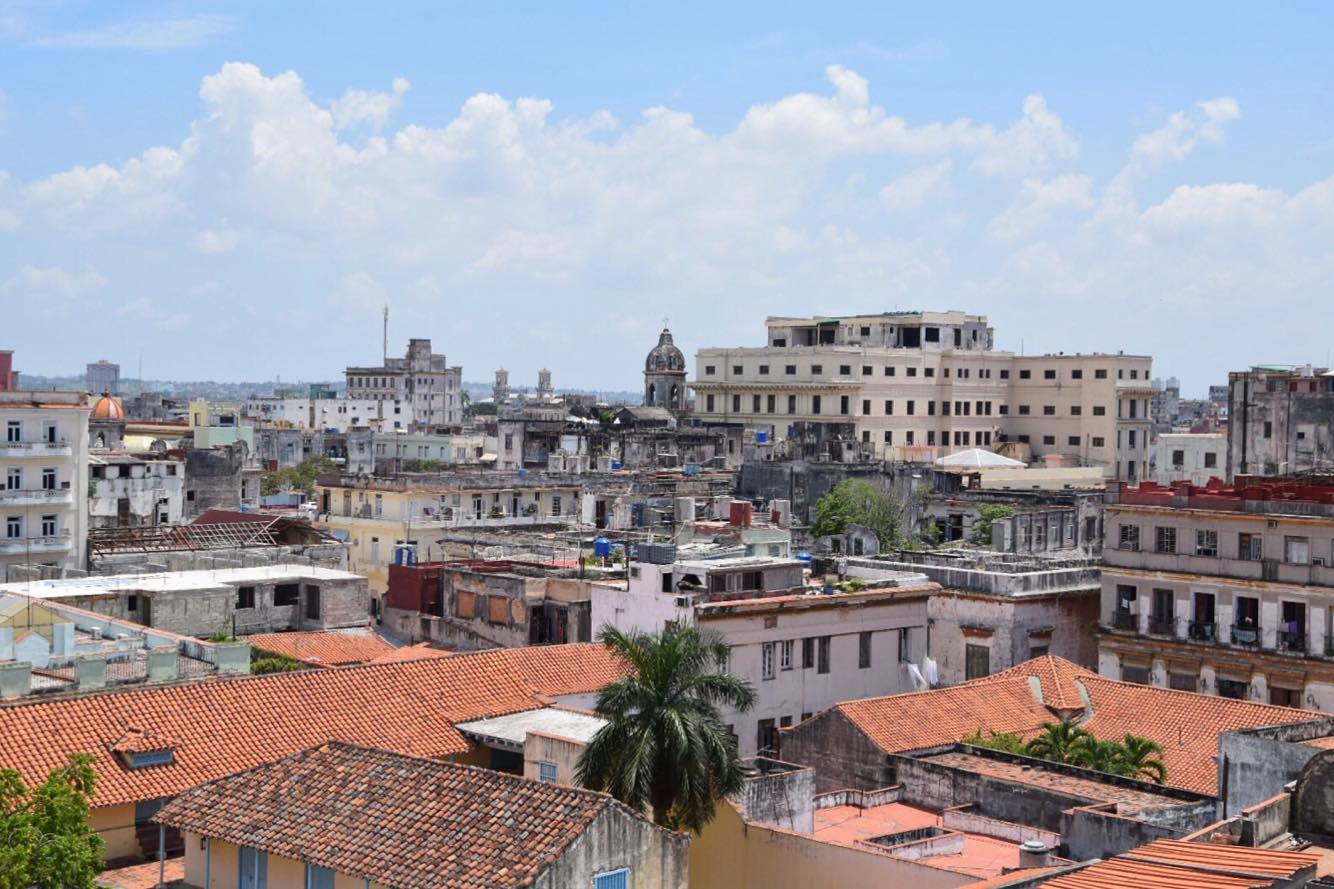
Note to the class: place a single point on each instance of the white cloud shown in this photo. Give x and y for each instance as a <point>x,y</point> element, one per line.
<point>151,35</point>
<point>1038,202</point>
<point>911,190</point>
<point>1183,130</point>
<point>217,240</point>
<point>54,281</point>
<point>1031,143</point>
<point>369,107</point>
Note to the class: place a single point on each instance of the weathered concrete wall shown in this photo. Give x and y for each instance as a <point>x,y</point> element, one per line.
<point>784,797</point>
<point>842,756</point>
<point>213,479</point>
<point>655,858</point>
<point>1093,832</point>
<point>941,787</point>
<point>1314,803</point>
<point>1256,763</point>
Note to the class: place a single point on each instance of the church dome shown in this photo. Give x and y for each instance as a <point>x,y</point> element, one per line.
<point>108,407</point>
<point>665,357</point>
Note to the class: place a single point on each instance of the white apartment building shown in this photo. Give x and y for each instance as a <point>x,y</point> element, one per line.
<point>43,479</point>
<point>1193,457</point>
<point>803,650</point>
<point>917,385</point>
<point>327,414</point>
<point>423,381</point>
<point>134,490</point>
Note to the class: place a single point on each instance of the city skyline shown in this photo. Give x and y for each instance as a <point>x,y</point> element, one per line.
<point>1144,194</point>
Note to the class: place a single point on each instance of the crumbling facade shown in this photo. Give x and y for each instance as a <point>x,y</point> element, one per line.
<point>422,381</point>
<point>1280,421</point>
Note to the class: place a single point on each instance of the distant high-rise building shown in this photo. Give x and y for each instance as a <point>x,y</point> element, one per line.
<point>103,378</point>
<point>9,378</point>
<point>422,382</point>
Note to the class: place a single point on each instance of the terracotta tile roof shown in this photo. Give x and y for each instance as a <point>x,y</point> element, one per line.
<point>946,715</point>
<point>1058,677</point>
<point>411,653</point>
<point>136,740</point>
<point>1185,723</point>
<point>329,648</point>
<point>142,876</point>
<point>1172,864</point>
<point>225,725</point>
<point>1010,879</point>
<point>398,820</point>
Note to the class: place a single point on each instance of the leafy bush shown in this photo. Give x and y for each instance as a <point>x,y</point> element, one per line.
<point>274,663</point>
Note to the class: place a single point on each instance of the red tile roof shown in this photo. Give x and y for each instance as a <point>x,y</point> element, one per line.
<point>1186,724</point>
<point>412,653</point>
<point>328,648</point>
<point>224,725</point>
<point>398,820</point>
<point>142,876</point>
<point>1172,864</point>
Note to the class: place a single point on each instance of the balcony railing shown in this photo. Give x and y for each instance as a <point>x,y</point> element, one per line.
<point>1245,635</point>
<point>1203,630</point>
<point>42,544</point>
<point>1125,620</point>
<point>1163,626</point>
<point>1291,641</point>
<point>42,448</point>
<point>38,496</point>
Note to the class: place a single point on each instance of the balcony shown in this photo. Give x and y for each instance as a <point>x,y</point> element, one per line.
<point>1203,631</point>
<point>1246,636</point>
<point>1162,626</point>
<point>36,497</point>
<point>58,448</point>
<point>58,543</point>
<point>1291,641</point>
<point>1125,620</point>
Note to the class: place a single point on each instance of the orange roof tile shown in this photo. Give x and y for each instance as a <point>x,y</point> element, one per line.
<point>398,820</point>
<point>411,653</point>
<point>1185,723</point>
<point>946,715</point>
<point>1173,864</point>
<point>224,725</point>
<point>1059,679</point>
<point>142,876</point>
<point>1009,879</point>
<point>330,648</point>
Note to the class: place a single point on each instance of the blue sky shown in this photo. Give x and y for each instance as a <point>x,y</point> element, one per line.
<point>1154,178</point>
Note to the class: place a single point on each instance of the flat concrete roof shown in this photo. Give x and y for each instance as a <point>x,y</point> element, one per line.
<point>510,731</point>
<point>171,581</point>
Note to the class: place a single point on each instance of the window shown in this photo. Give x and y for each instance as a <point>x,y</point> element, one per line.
<point>822,646</point>
<point>1098,441</point>
<point>843,404</point>
<point>245,597</point>
<point>1100,410</point>
<point>319,877</point>
<point>928,372</point>
<point>737,370</point>
<point>790,370</point>
<point>546,772</point>
<point>1165,540</point>
<point>1076,375</point>
<point>1073,441</point>
<point>764,370</point>
<point>1129,537</point>
<point>977,661</point>
<point>1049,439</point>
<point>1076,411</point>
<point>865,331</point>
<point>1297,550</point>
<point>889,370</point>
<point>710,370</point>
<point>792,404</point>
<point>1269,429</point>
<point>616,879</point>
<point>766,736</point>
<point>785,655</point>
<point>146,758</point>
<point>912,371</point>
<point>708,403</point>
<point>48,479</point>
<point>1049,410</point>
<point>736,404</point>
<point>911,408</point>
<point>1250,547</point>
<point>866,407</point>
<point>845,370</point>
<point>817,369</point>
<point>905,650</point>
<point>1231,688</point>
<point>312,602</point>
<point>14,431</point>
<point>1206,543</point>
<point>48,526</point>
<point>770,403</point>
<point>14,480</point>
<point>1004,374</point>
<point>286,594</point>
<point>932,334</point>
<point>1210,460</point>
<point>1100,374</point>
<point>767,660</point>
<point>1023,410</point>
<point>1038,650</point>
<point>1178,459</point>
<point>807,653</point>
<point>815,404</point>
<point>755,404</point>
<point>866,370</point>
<point>889,407</point>
<point>1136,674</point>
<point>863,650</point>
<point>1025,374</point>
<point>14,527</point>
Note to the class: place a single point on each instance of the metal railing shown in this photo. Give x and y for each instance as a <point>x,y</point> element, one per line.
<point>1162,626</point>
<point>1291,641</point>
<point>1248,636</point>
<point>1125,620</point>
<point>1203,631</point>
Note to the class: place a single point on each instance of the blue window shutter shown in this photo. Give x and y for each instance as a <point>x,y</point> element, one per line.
<point>617,879</point>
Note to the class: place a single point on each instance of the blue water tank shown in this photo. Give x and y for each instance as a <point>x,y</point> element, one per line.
<point>615,464</point>
<point>602,547</point>
<point>691,469</point>
<point>522,473</point>
<point>804,556</point>
<point>761,437</point>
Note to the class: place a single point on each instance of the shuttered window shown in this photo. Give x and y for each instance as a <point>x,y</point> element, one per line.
<point>617,879</point>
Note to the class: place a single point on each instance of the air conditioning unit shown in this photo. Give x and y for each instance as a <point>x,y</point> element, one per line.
<point>682,601</point>
<point>1271,524</point>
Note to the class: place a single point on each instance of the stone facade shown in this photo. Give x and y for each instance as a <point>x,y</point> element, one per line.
<point>1280,421</point>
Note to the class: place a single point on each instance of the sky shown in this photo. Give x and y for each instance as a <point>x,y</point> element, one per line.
<point>235,191</point>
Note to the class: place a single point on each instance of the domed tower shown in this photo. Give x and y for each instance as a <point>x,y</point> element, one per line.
<point>665,375</point>
<point>106,423</point>
<point>500,392</point>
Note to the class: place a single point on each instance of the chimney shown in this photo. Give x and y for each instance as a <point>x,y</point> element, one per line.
<point>1034,853</point>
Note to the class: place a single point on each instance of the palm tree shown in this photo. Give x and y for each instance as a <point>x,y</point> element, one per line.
<point>1100,756</point>
<point>1058,741</point>
<point>1142,758</point>
<point>665,747</point>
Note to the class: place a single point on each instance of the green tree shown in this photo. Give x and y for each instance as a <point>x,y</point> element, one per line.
<point>296,478</point>
<point>46,841</point>
<point>1059,741</point>
<point>1142,758</point>
<point>273,662</point>
<point>665,747</point>
<point>1100,756</point>
<point>987,514</point>
<point>1007,741</point>
<point>859,502</point>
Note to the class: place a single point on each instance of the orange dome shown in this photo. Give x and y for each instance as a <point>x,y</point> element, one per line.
<point>108,407</point>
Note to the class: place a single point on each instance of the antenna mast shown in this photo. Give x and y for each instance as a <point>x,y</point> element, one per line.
<point>386,336</point>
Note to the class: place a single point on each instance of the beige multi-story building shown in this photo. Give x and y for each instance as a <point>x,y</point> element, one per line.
<point>1222,590</point>
<point>917,385</point>
<point>422,381</point>
<point>43,479</point>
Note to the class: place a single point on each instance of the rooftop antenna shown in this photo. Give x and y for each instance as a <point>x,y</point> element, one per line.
<point>386,335</point>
